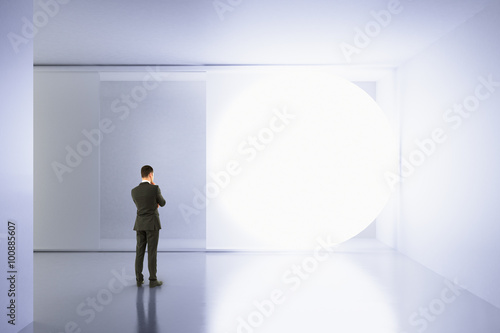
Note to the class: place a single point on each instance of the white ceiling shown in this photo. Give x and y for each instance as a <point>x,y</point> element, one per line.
<point>191,32</point>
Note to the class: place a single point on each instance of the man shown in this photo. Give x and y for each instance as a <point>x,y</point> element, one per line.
<point>147,197</point>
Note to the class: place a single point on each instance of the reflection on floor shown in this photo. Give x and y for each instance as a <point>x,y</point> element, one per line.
<point>351,291</point>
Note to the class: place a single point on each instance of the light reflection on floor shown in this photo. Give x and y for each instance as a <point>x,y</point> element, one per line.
<point>359,291</point>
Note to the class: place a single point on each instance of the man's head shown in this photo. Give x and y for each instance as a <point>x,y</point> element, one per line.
<point>147,172</point>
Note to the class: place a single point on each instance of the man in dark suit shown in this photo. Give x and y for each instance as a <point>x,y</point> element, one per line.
<point>147,197</point>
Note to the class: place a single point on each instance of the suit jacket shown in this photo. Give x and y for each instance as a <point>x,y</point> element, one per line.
<point>146,198</point>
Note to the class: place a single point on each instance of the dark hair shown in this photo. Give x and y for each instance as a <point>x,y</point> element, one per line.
<point>146,170</point>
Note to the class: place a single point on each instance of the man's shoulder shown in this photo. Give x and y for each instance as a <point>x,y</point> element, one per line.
<point>144,186</point>
<point>138,187</point>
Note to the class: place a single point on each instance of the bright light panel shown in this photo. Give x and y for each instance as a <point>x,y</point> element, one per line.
<point>307,152</point>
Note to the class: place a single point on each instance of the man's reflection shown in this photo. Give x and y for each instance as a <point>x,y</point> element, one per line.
<point>146,324</point>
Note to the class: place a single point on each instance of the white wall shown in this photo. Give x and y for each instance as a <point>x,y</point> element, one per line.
<point>16,169</point>
<point>85,204</point>
<point>449,204</point>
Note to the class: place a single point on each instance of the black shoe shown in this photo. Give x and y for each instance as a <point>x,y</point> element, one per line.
<point>140,283</point>
<point>155,283</point>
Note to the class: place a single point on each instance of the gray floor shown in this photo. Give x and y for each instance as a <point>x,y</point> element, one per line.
<point>354,290</point>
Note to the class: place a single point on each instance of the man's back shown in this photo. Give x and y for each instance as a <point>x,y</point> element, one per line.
<point>147,197</point>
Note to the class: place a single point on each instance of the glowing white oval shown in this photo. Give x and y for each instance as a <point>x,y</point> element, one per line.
<point>312,151</point>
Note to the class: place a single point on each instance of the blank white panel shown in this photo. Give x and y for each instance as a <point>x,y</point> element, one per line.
<point>162,126</point>
<point>66,185</point>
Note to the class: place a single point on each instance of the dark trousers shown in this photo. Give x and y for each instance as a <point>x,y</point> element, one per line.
<point>149,238</point>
